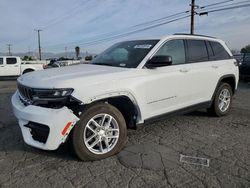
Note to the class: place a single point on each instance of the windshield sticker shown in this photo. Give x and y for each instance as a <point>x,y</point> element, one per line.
<point>143,46</point>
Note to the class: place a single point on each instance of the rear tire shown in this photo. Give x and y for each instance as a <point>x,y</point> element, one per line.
<point>100,133</point>
<point>222,100</point>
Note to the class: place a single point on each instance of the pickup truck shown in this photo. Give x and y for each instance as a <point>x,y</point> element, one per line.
<point>13,66</point>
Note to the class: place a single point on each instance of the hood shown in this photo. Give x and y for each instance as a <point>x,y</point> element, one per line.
<point>69,75</point>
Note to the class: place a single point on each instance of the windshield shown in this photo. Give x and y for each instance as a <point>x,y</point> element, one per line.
<point>127,54</point>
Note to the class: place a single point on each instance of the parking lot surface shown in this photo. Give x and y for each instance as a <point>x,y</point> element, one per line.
<point>150,159</point>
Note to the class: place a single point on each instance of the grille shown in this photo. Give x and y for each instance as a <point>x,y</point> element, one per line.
<point>25,92</point>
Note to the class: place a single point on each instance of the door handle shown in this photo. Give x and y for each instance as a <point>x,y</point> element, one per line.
<point>2,66</point>
<point>184,70</point>
<point>215,67</point>
<point>16,66</point>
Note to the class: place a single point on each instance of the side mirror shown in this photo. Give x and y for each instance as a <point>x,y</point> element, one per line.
<point>159,61</point>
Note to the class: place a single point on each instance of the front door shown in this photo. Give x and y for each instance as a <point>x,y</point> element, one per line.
<point>167,87</point>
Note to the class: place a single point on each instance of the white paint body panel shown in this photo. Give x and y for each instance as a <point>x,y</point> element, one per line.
<point>55,119</point>
<point>153,91</point>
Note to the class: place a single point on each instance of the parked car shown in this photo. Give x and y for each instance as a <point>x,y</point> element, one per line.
<point>55,64</point>
<point>130,83</point>
<point>245,67</point>
<point>88,58</point>
<point>12,66</point>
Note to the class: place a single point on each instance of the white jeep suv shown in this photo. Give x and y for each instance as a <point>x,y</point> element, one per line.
<point>130,83</point>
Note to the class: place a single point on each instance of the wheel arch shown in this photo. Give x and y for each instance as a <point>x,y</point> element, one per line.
<point>230,79</point>
<point>28,70</point>
<point>125,103</point>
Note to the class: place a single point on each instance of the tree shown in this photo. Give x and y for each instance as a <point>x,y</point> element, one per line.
<point>77,50</point>
<point>27,58</point>
<point>246,49</point>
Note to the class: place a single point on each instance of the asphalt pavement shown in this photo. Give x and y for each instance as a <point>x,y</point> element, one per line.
<point>192,150</point>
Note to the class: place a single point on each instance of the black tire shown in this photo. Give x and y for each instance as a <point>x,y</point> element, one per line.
<point>214,109</point>
<point>77,139</point>
<point>27,70</point>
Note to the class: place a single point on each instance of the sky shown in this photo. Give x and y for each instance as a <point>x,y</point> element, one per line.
<point>73,23</point>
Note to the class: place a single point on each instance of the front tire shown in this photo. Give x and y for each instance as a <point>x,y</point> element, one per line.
<point>222,101</point>
<point>100,133</point>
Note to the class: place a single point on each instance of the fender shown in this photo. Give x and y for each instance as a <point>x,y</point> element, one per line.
<point>116,94</point>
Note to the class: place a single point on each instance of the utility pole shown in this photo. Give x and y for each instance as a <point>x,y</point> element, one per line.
<point>29,54</point>
<point>39,45</point>
<point>66,53</point>
<point>192,17</point>
<point>9,45</point>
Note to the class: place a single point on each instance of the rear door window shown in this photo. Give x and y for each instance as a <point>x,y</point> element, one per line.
<point>1,61</point>
<point>219,52</point>
<point>197,51</point>
<point>11,61</point>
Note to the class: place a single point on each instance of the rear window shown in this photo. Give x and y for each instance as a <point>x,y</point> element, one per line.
<point>219,52</point>
<point>197,51</point>
<point>11,60</point>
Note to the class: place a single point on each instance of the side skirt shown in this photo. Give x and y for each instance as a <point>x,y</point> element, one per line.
<point>177,112</point>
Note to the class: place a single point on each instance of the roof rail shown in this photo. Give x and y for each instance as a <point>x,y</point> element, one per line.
<point>193,35</point>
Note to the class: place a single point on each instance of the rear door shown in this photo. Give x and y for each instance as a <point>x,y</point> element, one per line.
<point>222,62</point>
<point>201,73</point>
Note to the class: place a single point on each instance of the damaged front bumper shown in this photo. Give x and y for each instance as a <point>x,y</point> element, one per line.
<point>43,128</point>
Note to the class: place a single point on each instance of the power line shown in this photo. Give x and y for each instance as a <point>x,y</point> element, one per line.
<point>140,25</point>
<point>228,5</point>
<point>213,4</point>
<point>194,6</point>
<point>149,25</point>
<point>132,32</point>
<point>162,18</point>
<point>58,19</point>
<point>111,34</point>
<point>221,9</point>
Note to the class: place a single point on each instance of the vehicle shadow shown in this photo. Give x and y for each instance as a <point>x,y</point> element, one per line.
<point>13,145</point>
<point>7,78</point>
<point>200,113</point>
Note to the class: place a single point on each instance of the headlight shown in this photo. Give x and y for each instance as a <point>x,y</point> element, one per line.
<point>51,93</point>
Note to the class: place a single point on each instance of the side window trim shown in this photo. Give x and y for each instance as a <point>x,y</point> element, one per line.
<point>186,51</point>
<point>207,43</point>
